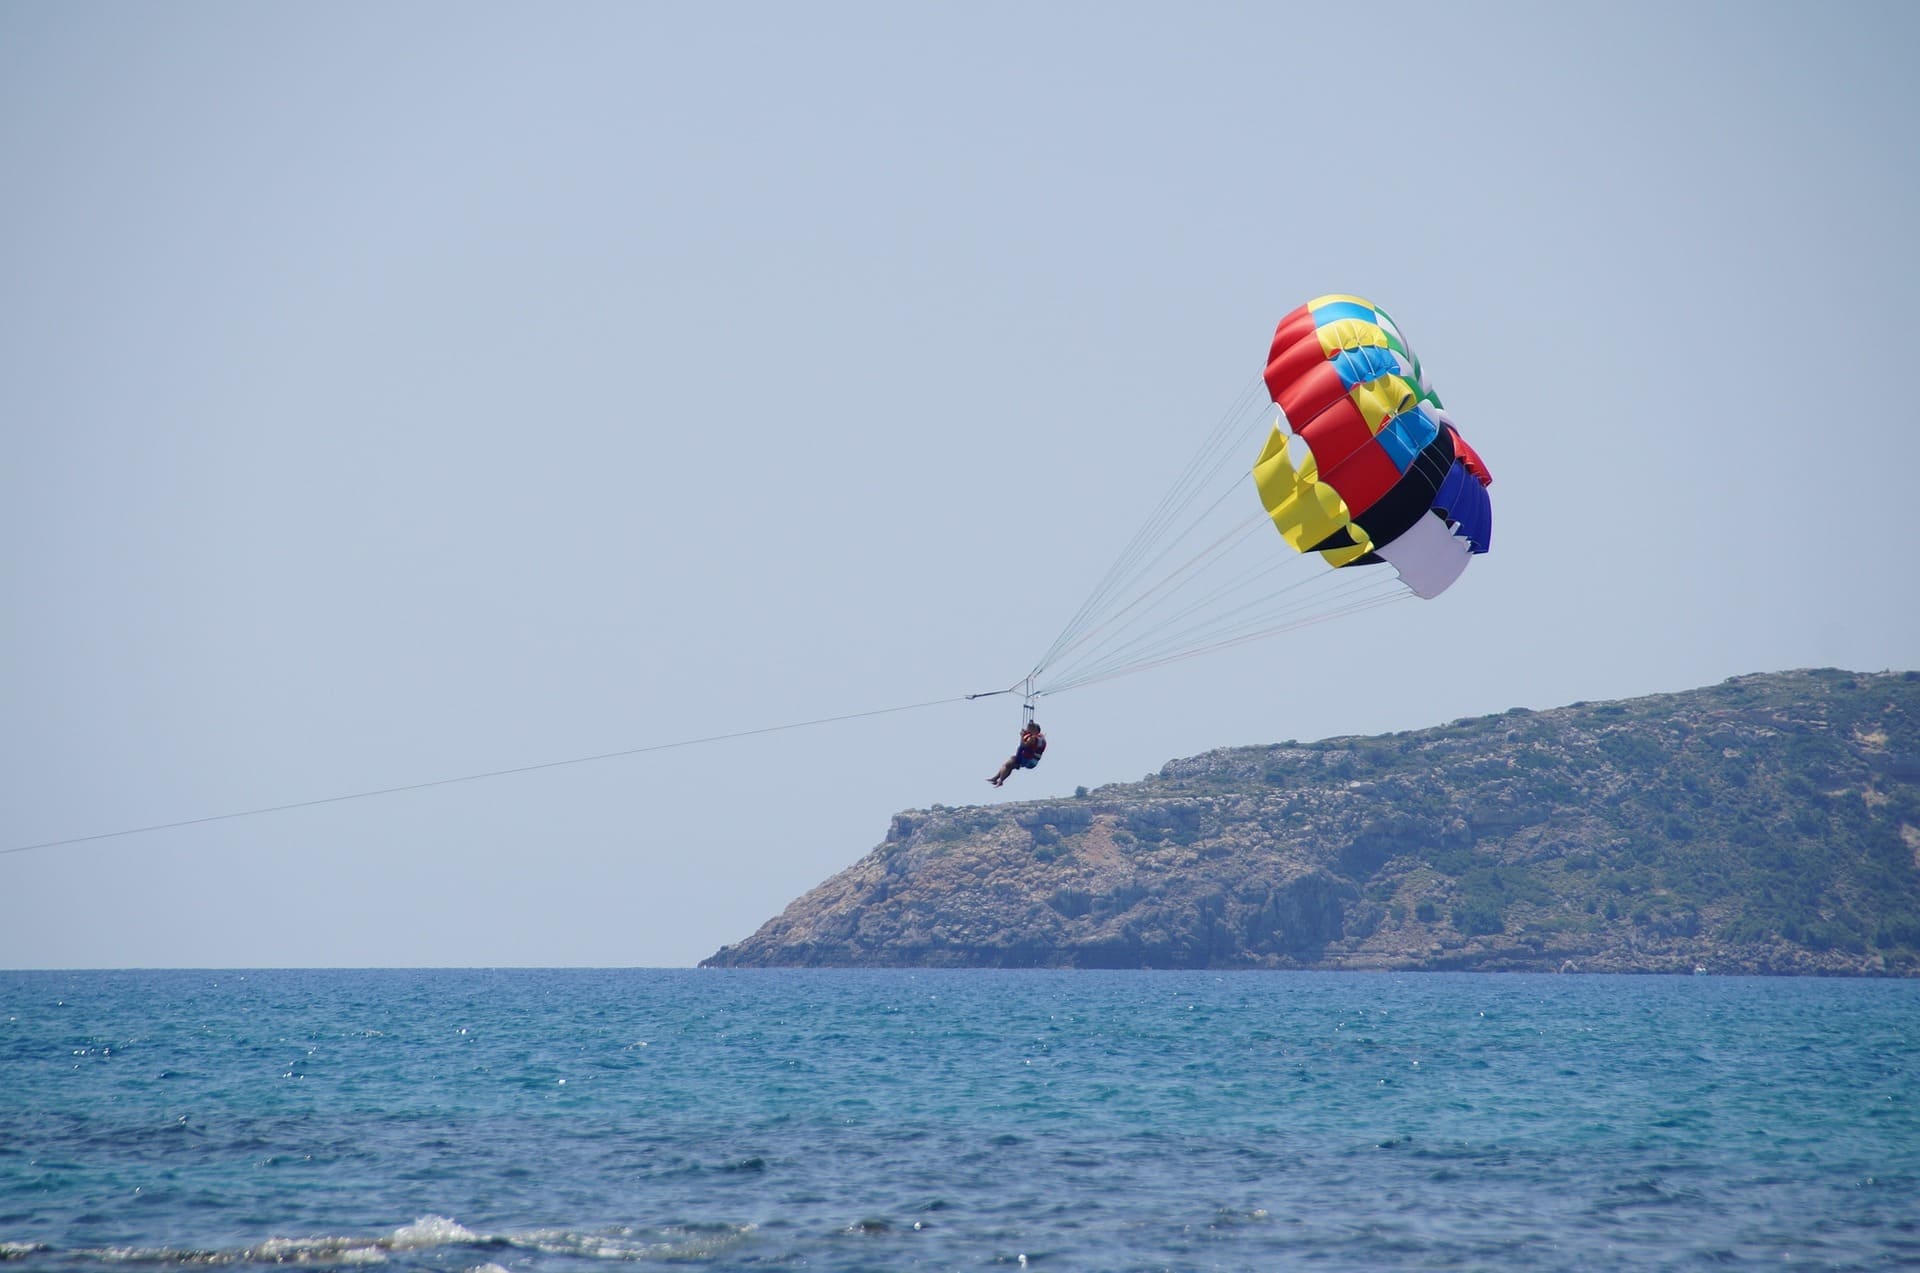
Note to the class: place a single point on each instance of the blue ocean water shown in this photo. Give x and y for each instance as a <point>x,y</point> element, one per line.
<point>569,1120</point>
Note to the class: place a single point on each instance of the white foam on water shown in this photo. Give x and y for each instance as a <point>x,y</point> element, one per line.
<point>423,1234</point>
<point>273,1251</point>
<point>669,1244</point>
<point>672,1244</point>
<point>431,1231</point>
<point>311,1251</point>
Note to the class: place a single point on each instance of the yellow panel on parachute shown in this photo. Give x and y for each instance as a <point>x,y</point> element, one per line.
<point>1304,509</point>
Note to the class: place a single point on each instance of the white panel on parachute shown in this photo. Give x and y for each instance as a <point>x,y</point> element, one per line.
<point>1429,556</point>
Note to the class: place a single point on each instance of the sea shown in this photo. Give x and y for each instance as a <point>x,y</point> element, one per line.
<point>575,1120</point>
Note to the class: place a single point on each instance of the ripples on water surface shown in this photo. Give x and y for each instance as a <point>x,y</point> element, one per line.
<point>561,1120</point>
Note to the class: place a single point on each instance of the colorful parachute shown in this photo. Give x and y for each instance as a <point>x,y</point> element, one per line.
<point>1386,475</point>
<point>1362,466</point>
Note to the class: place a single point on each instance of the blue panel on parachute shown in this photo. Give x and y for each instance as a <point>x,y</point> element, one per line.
<point>1464,502</point>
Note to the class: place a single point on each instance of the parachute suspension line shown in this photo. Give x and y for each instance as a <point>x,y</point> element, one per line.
<point>1355,608</point>
<point>1182,625</point>
<point>1146,613</point>
<point>1221,447</point>
<point>1179,587</point>
<point>1199,576</point>
<point>1262,615</point>
<point>1166,531</point>
<point>1116,623</point>
<point>1149,532</point>
<point>1236,640</point>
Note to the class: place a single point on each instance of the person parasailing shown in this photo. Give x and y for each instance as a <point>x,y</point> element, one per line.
<point>1026,756</point>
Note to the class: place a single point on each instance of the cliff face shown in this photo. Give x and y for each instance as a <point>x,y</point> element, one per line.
<point>1767,824</point>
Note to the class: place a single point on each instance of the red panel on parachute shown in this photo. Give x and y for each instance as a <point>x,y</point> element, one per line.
<point>1470,457</point>
<point>1295,348</point>
<point>1306,393</point>
<point>1349,459</point>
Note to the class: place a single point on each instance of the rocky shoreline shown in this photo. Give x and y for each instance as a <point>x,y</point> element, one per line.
<point>1769,825</point>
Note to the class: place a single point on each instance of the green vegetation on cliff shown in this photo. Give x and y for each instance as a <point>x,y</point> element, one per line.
<point>1767,824</point>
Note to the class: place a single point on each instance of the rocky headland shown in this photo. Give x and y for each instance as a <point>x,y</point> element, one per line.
<point>1769,824</point>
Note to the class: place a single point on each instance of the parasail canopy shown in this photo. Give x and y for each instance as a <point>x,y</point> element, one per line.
<point>1361,465</point>
<point>1385,475</point>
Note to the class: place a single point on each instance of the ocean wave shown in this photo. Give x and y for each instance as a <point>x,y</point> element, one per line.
<point>428,1233</point>
<point>21,1250</point>
<point>679,1242</point>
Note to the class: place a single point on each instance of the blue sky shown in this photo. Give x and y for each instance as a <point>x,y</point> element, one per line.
<point>393,393</point>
